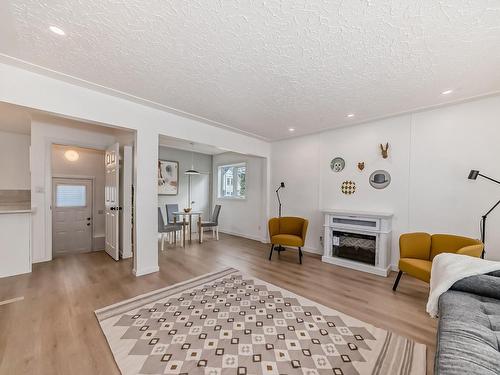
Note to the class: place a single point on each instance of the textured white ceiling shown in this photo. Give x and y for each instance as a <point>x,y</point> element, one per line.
<point>264,66</point>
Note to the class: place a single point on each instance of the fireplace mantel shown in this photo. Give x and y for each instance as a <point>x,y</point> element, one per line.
<point>358,239</point>
<point>351,213</point>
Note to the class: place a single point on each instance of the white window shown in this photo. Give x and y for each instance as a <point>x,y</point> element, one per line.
<point>232,181</point>
<point>71,196</point>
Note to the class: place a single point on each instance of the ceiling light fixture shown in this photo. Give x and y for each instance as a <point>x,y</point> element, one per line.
<point>71,155</point>
<point>350,115</point>
<point>446,92</point>
<point>192,171</point>
<point>57,30</point>
<point>291,130</point>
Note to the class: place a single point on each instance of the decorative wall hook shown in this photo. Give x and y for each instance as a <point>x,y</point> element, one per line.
<point>385,150</point>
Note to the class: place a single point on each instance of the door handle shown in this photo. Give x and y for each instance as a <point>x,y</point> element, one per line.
<point>88,224</point>
<point>113,208</point>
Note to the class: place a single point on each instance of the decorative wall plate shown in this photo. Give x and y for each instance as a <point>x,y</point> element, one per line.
<point>337,164</point>
<point>380,179</point>
<point>348,187</point>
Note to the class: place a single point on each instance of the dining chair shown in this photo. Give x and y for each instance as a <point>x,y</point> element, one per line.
<point>213,223</point>
<point>171,208</point>
<point>166,229</point>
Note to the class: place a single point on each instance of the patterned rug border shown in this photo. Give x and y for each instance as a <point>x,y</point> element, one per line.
<point>149,297</point>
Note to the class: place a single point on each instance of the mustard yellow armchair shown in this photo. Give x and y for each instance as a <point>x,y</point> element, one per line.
<point>288,231</point>
<point>417,250</point>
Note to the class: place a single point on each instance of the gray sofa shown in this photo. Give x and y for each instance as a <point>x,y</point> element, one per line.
<point>468,339</point>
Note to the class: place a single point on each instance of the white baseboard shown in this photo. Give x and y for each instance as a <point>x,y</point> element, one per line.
<point>41,260</point>
<point>249,236</point>
<point>145,271</point>
<point>309,250</point>
<point>313,250</point>
<point>125,256</point>
<point>266,240</point>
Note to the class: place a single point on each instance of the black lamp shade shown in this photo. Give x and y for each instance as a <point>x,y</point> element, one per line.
<point>473,174</point>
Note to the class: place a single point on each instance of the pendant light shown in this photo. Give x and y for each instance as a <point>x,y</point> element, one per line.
<point>192,171</point>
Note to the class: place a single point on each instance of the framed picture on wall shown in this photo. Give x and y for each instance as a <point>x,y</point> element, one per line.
<point>168,177</point>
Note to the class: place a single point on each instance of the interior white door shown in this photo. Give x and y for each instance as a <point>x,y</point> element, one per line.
<point>126,172</point>
<point>112,201</point>
<point>71,215</point>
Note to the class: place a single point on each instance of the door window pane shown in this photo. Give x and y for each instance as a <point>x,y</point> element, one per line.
<point>71,196</point>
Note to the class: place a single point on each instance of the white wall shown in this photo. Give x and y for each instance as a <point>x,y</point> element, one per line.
<point>430,155</point>
<point>446,144</point>
<point>44,133</point>
<point>71,98</point>
<point>296,163</point>
<point>89,164</point>
<point>14,161</point>
<point>243,217</point>
<point>200,184</point>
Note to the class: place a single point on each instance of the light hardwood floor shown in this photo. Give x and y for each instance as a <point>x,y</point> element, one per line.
<point>54,330</point>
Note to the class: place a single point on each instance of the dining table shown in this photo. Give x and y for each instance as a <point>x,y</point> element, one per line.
<point>189,223</point>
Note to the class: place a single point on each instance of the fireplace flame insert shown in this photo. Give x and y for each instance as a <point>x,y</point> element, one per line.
<point>354,246</point>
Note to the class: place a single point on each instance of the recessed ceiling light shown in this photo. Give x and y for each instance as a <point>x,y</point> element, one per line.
<point>446,92</point>
<point>291,129</point>
<point>350,115</point>
<point>57,30</point>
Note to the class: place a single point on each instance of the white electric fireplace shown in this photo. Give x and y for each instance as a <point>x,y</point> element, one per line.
<point>358,240</point>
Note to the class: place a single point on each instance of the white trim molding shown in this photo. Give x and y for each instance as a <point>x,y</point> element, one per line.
<point>145,271</point>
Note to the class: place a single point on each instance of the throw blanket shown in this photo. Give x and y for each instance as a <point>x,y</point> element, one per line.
<point>448,268</point>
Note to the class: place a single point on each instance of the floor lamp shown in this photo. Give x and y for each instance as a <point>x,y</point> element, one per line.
<point>472,176</point>
<point>282,186</point>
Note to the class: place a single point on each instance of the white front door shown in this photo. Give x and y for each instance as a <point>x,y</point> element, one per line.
<point>71,215</point>
<point>112,200</point>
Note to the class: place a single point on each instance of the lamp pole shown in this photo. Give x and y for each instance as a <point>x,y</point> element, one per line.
<point>473,174</point>
<point>282,185</point>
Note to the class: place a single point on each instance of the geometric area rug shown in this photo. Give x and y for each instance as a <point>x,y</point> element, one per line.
<point>229,323</point>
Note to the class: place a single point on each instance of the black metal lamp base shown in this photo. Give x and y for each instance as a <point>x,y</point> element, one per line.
<point>279,248</point>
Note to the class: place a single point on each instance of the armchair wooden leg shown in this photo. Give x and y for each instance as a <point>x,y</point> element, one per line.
<point>162,241</point>
<point>397,280</point>
<point>271,253</point>
<point>300,255</point>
